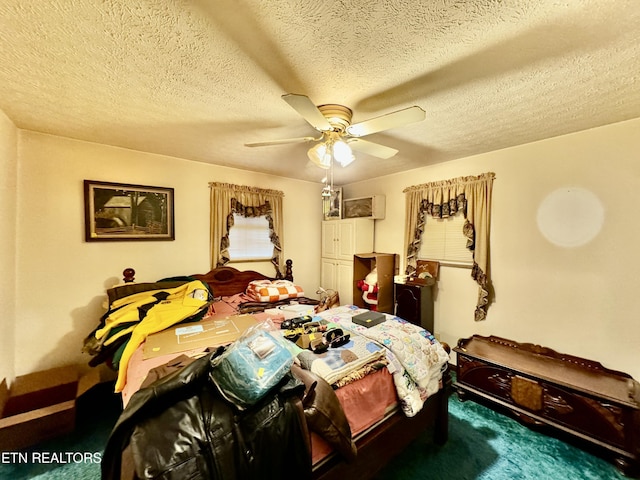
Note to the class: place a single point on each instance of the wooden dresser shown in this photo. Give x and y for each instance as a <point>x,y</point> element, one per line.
<point>414,303</point>
<point>544,387</point>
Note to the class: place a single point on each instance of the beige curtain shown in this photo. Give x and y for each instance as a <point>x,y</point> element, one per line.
<point>227,199</point>
<point>472,196</point>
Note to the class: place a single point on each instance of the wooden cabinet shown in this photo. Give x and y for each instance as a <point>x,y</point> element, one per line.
<point>414,303</point>
<point>546,388</point>
<point>387,266</point>
<point>341,240</point>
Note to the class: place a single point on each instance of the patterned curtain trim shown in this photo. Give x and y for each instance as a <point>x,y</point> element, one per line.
<point>483,296</point>
<point>453,188</point>
<point>257,202</point>
<point>249,212</point>
<point>453,206</point>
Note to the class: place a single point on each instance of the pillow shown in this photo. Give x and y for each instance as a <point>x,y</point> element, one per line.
<point>273,291</point>
<point>324,413</point>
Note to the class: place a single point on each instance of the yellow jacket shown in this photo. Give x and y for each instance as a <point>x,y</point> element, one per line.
<point>180,303</point>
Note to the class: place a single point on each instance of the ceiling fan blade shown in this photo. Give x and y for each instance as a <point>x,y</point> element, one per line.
<point>306,108</point>
<point>282,142</point>
<point>370,148</point>
<point>385,122</point>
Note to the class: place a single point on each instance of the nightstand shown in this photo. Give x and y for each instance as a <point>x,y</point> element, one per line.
<point>414,303</point>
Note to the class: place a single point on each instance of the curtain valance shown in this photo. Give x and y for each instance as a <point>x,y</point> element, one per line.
<point>472,196</point>
<point>228,199</point>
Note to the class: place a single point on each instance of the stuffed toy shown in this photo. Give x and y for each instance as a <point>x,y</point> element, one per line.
<point>369,287</point>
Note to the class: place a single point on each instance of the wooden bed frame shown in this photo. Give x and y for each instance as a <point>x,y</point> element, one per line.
<point>380,443</point>
<point>227,281</point>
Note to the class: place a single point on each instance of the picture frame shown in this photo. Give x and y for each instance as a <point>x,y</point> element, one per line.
<point>127,212</point>
<point>332,204</point>
<point>372,206</point>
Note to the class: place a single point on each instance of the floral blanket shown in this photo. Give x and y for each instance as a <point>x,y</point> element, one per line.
<point>416,358</point>
<point>341,365</point>
<point>336,364</point>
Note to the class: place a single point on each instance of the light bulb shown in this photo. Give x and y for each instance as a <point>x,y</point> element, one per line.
<point>342,153</point>
<point>319,155</point>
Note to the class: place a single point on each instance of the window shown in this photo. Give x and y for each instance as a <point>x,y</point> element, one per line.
<point>249,239</point>
<point>444,241</point>
<point>474,194</point>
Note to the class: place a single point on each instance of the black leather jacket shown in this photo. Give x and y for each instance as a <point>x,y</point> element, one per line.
<point>181,428</point>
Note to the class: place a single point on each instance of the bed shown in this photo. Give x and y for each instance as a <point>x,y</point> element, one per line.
<point>388,426</point>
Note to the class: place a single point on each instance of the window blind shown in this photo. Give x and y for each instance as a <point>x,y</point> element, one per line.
<point>249,239</point>
<point>443,240</point>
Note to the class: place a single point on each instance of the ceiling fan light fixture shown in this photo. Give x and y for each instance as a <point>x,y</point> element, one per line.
<point>320,155</point>
<point>342,153</point>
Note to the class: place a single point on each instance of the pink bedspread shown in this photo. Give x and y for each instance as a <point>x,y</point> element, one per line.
<point>365,403</point>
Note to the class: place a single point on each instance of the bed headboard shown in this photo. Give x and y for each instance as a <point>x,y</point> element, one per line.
<point>225,281</point>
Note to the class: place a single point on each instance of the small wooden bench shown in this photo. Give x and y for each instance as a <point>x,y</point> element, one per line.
<point>544,387</point>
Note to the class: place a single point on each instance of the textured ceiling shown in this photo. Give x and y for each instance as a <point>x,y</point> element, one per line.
<point>197,79</point>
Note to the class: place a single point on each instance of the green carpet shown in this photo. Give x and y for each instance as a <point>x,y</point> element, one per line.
<point>76,456</point>
<point>486,445</point>
<point>483,445</point>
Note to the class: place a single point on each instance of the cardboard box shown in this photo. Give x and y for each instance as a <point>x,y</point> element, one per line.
<point>387,267</point>
<point>369,319</point>
<point>41,405</point>
<point>190,336</point>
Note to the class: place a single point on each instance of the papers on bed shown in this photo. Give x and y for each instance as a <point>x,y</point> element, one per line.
<point>206,333</point>
<point>291,311</point>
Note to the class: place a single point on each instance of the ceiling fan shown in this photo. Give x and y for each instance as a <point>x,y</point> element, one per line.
<point>338,136</point>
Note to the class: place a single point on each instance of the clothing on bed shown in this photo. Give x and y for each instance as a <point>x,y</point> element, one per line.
<point>139,366</point>
<point>180,427</point>
<point>147,312</point>
<point>323,407</point>
<point>324,413</point>
<point>168,368</point>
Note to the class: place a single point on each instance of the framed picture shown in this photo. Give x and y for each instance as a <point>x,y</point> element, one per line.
<point>118,211</point>
<point>332,204</point>
<point>364,207</point>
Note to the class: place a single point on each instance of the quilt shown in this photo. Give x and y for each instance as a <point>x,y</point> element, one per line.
<point>416,358</point>
<point>346,363</point>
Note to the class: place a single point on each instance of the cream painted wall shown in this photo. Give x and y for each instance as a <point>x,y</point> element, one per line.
<point>8,172</point>
<point>579,300</point>
<point>61,279</point>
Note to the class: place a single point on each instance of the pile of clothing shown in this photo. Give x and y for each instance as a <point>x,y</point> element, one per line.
<point>137,310</point>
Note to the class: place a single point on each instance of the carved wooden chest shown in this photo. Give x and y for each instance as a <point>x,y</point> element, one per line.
<point>544,387</point>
